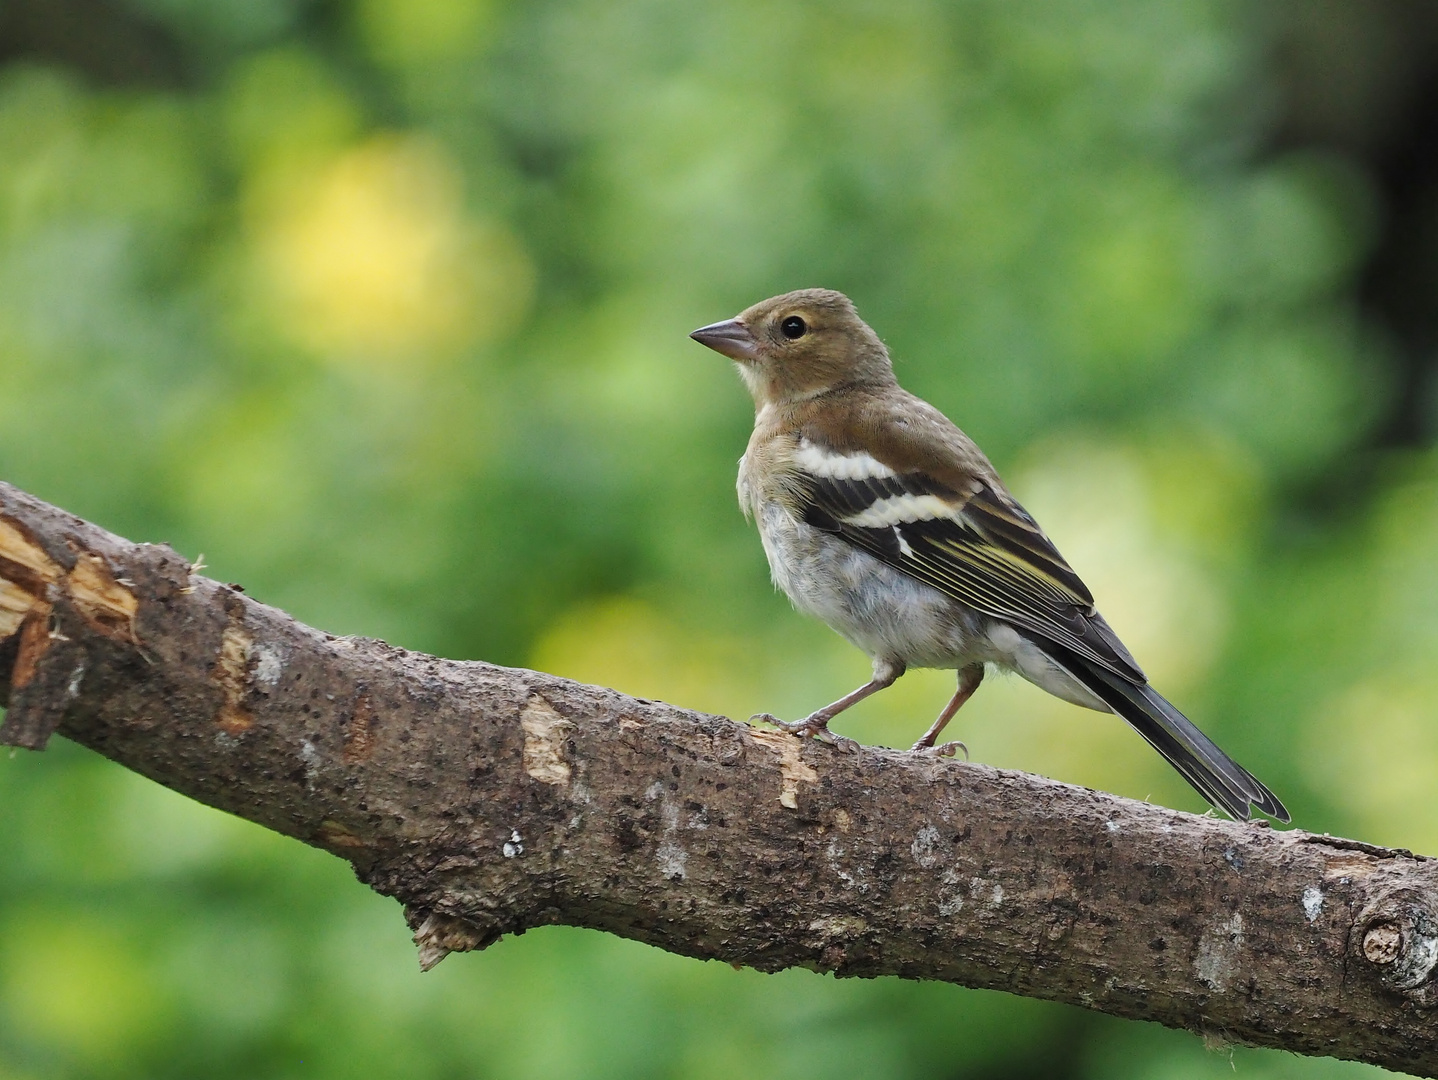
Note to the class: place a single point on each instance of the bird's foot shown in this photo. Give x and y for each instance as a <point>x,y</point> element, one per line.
<point>948,749</point>
<point>811,727</point>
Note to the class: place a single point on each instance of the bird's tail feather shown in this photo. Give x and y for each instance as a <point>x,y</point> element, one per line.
<point>1215,775</point>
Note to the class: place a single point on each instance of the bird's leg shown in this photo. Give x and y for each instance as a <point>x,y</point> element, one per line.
<point>816,724</point>
<point>969,679</point>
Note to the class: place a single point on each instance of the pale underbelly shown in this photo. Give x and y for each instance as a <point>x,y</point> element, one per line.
<point>894,617</point>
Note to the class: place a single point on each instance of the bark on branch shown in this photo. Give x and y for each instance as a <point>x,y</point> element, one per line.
<point>489,800</point>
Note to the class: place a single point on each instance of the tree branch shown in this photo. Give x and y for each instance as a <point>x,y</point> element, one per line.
<point>489,800</point>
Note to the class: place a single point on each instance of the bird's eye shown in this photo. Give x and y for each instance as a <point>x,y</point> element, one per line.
<point>793,327</point>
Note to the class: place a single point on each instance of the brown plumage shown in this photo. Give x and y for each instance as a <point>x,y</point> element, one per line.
<point>882,518</point>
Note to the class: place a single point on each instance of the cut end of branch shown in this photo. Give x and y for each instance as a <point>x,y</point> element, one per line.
<point>37,597</point>
<point>23,561</point>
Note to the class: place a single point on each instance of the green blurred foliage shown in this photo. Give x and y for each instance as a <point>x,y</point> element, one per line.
<point>386,315</point>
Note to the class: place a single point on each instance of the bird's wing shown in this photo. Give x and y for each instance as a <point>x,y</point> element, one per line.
<point>976,545</point>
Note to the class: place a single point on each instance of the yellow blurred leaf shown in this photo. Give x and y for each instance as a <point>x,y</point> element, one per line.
<point>371,259</point>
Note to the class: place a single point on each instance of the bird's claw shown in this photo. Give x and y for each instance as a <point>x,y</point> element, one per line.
<point>838,742</point>
<point>774,721</point>
<point>805,728</point>
<point>809,728</point>
<point>948,749</point>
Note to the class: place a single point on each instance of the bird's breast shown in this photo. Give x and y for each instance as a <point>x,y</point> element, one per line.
<point>881,610</point>
<point>769,473</point>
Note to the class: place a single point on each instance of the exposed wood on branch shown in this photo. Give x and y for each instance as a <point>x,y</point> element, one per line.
<point>489,800</point>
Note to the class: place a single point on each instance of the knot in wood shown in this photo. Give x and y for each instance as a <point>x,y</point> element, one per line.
<point>1396,936</point>
<point>1382,943</point>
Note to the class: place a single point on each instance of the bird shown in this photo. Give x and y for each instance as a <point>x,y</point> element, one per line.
<point>885,521</point>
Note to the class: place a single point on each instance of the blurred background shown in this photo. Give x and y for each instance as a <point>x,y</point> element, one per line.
<point>381,306</point>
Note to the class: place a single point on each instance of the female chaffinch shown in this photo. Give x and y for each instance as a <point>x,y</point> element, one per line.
<point>887,522</point>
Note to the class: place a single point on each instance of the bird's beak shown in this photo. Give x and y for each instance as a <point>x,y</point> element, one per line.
<point>730,337</point>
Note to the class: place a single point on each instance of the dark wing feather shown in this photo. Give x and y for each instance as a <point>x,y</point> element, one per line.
<point>1008,525</point>
<point>985,551</point>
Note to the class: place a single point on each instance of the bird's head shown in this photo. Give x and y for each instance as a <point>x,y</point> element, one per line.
<point>797,346</point>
